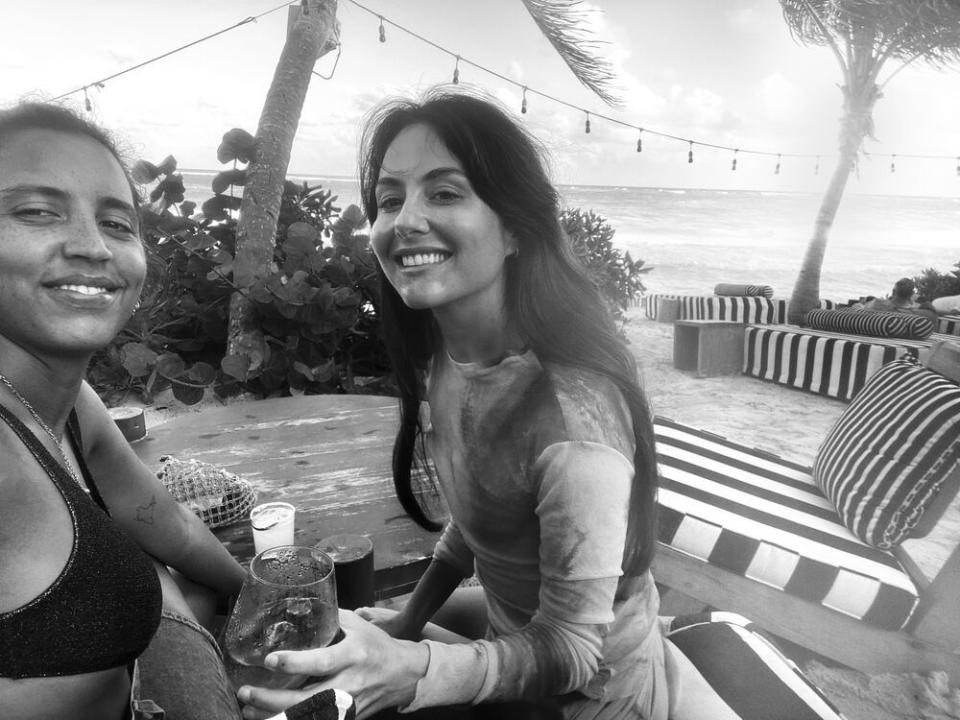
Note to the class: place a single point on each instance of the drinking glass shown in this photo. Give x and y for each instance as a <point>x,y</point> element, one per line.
<point>288,601</point>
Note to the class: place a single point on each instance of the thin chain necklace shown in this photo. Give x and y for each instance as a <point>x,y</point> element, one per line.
<point>42,424</point>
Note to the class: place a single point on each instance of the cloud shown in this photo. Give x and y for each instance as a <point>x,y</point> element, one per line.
<point>779,98</point>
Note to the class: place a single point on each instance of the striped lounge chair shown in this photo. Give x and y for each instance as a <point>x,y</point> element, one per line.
<point>745,309</point>
<point>749,532</point>
<point>948,324</point>
<point>827,363</point>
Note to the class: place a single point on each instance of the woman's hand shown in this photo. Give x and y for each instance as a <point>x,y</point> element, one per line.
<point>377,670</point>
<point>393,623</point>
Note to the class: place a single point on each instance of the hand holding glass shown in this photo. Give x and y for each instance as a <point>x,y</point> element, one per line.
<point>288,602</point>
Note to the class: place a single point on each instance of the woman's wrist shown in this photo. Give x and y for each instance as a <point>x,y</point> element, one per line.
<point>415,659</point>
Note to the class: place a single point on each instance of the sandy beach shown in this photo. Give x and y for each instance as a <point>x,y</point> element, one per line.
<point>781,420</point>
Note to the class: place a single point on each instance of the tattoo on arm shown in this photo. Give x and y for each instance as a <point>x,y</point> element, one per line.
<point>145,512</point>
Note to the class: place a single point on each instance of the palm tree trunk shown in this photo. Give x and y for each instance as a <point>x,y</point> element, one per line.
<point>313,34</point>
<point>856,124</point>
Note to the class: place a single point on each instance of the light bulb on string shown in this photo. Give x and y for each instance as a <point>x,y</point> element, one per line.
<point>816,168</point>
<point>776,170</point>
<point>639,139</point>
<point>733,165</point>
<point>893,163</point>
<point>456,72</point>
<point>586,125</point>
<point>523,103</point>
<point>383,33</point>
<point>958,165</point>
<point>86,101</point>
<point>690,153</point>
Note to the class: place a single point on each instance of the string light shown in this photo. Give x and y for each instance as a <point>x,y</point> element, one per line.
<point>382,37</point>
<point>456,72</point>
<point>893,163</point>
<point>733,165</point>
<point>776,170</point>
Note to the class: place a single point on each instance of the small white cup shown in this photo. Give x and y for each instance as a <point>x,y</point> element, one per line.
<point>272,525</point>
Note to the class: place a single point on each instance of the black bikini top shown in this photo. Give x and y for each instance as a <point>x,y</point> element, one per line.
<point>103,609</point>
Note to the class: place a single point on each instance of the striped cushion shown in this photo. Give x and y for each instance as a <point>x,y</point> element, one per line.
<point>890,451</point>
<point>949,324</point>
<point>749,290</point>
<point>875,324</point>
<point>740,674</point>
<point>764,518</point>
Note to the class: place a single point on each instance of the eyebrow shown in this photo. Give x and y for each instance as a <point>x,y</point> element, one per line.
<point>111,203</point>
<point>431,175</point>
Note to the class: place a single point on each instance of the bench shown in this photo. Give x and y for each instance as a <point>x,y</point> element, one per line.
<point>746,531</point>
<point>827,363</point>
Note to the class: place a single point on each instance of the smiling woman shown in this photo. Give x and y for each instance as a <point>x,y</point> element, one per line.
<point>87,529</point>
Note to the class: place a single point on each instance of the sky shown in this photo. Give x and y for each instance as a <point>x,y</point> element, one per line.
<point>724,72</point>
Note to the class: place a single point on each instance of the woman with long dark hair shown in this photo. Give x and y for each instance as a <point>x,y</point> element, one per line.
<point>536,429</point>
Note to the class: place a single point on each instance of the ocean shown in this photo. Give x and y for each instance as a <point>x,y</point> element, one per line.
<point>694,239</point>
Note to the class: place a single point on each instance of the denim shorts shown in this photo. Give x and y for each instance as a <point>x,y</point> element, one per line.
<point>181,676</point>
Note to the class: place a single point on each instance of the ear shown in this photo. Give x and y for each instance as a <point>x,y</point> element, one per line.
<point>511,243</point>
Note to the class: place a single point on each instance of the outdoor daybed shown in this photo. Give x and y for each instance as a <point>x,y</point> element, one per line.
<point>826,556</point>
<point>835,358</point>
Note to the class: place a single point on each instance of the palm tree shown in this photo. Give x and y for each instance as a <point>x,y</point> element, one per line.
<point>863,35</point>
<point>312,34</point>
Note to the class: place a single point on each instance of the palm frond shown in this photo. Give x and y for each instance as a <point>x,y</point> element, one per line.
<point>561,22</point>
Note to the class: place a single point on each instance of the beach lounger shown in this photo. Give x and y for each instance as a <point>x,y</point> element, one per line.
<point>749,532</point>
<point>948,324</point>
<point>745,309</point>
<point>827,363</point>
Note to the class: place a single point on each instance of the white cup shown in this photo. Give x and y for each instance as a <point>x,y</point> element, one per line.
<point>272,525</point>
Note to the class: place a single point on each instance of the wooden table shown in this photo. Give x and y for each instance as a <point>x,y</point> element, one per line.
<point>328,455</point>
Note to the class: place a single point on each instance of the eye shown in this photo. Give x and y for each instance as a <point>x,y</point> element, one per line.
<point>35,214</point>
<point>446,195</point>
<point>119,226</point>
<point>389,203</point>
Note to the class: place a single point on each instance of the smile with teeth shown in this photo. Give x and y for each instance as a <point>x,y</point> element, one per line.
<point>419,259</point>
<point>85,289</point>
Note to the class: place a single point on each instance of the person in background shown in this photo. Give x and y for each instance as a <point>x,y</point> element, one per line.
<point>538,431</point>
<point>86,530</point>
<point>901,299</point>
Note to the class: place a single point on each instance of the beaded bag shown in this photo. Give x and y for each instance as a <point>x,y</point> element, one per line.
<point>216,496</point>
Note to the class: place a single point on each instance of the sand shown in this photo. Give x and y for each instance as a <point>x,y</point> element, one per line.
<point>790,423</point>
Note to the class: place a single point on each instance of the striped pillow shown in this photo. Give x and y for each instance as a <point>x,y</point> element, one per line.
<point>874,324</point>
<point>739,674</point>
<point>748,290</point>
<point>891,450</point>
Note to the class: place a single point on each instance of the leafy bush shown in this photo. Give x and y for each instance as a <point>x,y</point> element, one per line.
<point>616,274</point>
<point>316,307</point>
<point>932,284</point>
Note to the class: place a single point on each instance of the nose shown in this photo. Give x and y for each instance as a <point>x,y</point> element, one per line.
<point>86,240</point>
<point>411,218</point>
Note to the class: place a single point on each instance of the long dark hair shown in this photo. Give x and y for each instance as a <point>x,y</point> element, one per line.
<point>554,305</point>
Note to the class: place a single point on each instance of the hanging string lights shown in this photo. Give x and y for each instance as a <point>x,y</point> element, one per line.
<point>382,36</point>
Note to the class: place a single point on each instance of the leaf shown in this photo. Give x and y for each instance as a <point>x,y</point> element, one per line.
<point>237,145</point>
<point>236,366</point>
<point>144,172</point>
<point>202,373</point>
<point>137,359</point>
<point>222,180</point>
<point>216,207</point>
<point>170,365</point>
<point>187,207</point>
<point>168,165</point>
<point>187,394</point>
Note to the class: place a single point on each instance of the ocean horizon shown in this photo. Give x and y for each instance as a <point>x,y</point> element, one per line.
<point>696,238</point>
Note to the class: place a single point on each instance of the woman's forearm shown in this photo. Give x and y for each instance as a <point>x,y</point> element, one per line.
<point>436,585</point>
